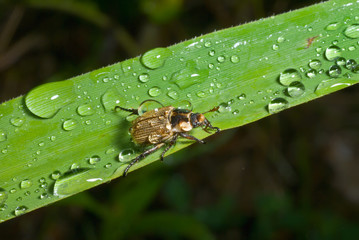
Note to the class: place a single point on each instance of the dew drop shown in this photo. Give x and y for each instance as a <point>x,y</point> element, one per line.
<point>154,91</point>
<point>275,47</point>
<point>3,196</point>
<point>44,196</point>
<point>3,135</point>
<point>242,96</point>
<point>295,89</point>
<point>352,31</point>
<point>86,110</point>
<point>280,39</point>
<point>155,58</point>
<point>20,210</point>
<point>110,150</point>
<point>25,184</point>
<point>126,155</point>
<point>108,165</point>
<point>52,138</point>
<point>277,105</point>
<point>311,73</point>
<point>332,85</point>
<point>55,175</point>
<point>94,159</point>
<point>173,94</point>
<point>332,52</point>
<point>355,69</point>
<point>350,63</point>
<point>201,94</point>
<point>234,59</point>
<point>189,76</point>
<point>74,166</point>
<point>17,122</point>
<point>334,71</point>
<point>288,76</point>
<point>46,100</point>
<point>340,61</point>
<point>110,99</point>
<point>332,26</point>
<point>148,105</point>
<point>221,59</point>
<point>69,125</point>
<point>224,107</point>
<point>211,53</point>
<point>144,77</point>
<point>184,104</point>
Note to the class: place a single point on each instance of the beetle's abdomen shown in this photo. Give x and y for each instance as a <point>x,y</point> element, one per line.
<point>152,127</point>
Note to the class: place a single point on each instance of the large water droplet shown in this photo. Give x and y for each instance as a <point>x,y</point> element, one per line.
<point>17,122</point>
<point>126,155</point>
<point>86,110</point>
<point>46,100</point>
<point>69,125</point>
<point>315,64</point>
<point>20,210</point>
<point>277,105</point>
<point>234,59</point>
<point>76,180</point>
<point>3,196</point>
<point>155,58</point>
<point>3,135</point>
<point>25,184</point>
<point>148,105</point>
<point>189,76</point>
<point>154,91</point>
<point>295,89</point>
<point>173,94</point>
<point>94,159</point>
<point>352,31</point>
<point>340,61</point>
<point>332,26</point>
<point>184,104</point>
<point>311,73</point>
<point>334,71</point>
<point>350,63</point>
<point>144,77</point>
<point>288,76</point>
<point>332,52</point>
<point>111,99</point>
<point>332,85</point>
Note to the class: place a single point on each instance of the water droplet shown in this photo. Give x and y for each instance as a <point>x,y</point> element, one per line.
<point>74,166</point>
<point>189,76</point>
<point>311,73</point>
<point>94,159</point>
<point>85,110</point>
<point>110,150</point>
<point>17,122</point>
<point>221,59</point>
<point>235,112</point>
<point>352,31</point>
<point>351,48</point>
<point>234,59</point>
<point>224,107</point>
<point>77,180</point>
<point>201,94</point>
<point>340,61</point>
<point>242,96</point>
<point>148,105</point>
<point>42,180</point>
<point>126,155</point>
<point>155,58</point>
<point>275,47</point>
<point>108,165</point>
<point>277,105</point>
<point>13,190</point>
<point>332,52</point>
<point>25,184</point>
<point>355,69</point>
<point>110,99</point>
<point>144,77</point>
<point>288,76</point>
<point>55,175</point>
<point>173,94</point>
<point>46,100</point>
<point>184,104</point>
<point>332,26</point>
<point>155,91</point>
<point>334,71</point>
<point>20,210</point>
<point>332,85</point>
<point>295,89</point>
<point>69,125</point>
<point>3,135</point>
<point>3,196</point>
<point>211,53</point>
<point>52,138</point>
<point>350,63</point>
<point>43,196</point>
<point>280,39</point>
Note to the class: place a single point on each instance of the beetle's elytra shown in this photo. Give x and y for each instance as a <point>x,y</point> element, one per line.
<point>162,126</point>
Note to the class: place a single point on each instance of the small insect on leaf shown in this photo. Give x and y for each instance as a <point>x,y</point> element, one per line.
<point>161,126</point>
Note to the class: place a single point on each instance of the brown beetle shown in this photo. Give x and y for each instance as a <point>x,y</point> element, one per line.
<point>162,126</point>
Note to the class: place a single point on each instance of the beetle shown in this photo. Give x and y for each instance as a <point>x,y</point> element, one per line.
<point>162,126</point>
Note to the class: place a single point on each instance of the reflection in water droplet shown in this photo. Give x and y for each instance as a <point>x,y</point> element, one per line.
<point>46,100</point>
<point>85,110</point>
<point>295,89</point>
<point>288,76</point>
<point>332,26</point>
<point>25,184</point>
<point>173,94</point>
<point>110,99</point>
<point>221,59</point>
<point>350,64</point>
<point>69,125</point>
<point>94,159</point>
<point>340,61</point>
<point>332,52</point>
<point>311,73</point>
<point>277,105</point>
<point>3,135</point>
<point>189,76</point>
<point>155,58</point>
<point>3,196</point>
<point>155,91</point>
<point>17,122</point>
<point>234,59</point>
<point>334,71</point>
<point>352,31</point>
<point>20,210</point>
<point>126,155</point>
<point>144,77</point>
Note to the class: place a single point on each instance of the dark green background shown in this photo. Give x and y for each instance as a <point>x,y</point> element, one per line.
<point>293,175</point>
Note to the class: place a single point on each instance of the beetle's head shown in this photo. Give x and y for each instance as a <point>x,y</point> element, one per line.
<point>198,119</point>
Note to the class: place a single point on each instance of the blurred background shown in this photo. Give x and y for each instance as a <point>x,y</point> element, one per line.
<point>293,175</point>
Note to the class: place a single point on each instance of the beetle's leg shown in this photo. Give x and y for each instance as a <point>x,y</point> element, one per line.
<point>185,135</point>
<point>132,110</point>
<point>209,125</point>
<point>142,156</point>
<point>170,144</point>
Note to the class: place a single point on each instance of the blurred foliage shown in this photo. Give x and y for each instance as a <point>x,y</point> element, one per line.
<point>293,175</point>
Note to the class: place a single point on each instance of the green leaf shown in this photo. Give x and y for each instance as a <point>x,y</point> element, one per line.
<point>65,137</point>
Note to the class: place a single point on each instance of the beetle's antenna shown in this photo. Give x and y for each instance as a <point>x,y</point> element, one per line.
<point>212,110</point>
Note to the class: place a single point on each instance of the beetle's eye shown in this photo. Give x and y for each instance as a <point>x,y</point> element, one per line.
<point>200,118</point>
